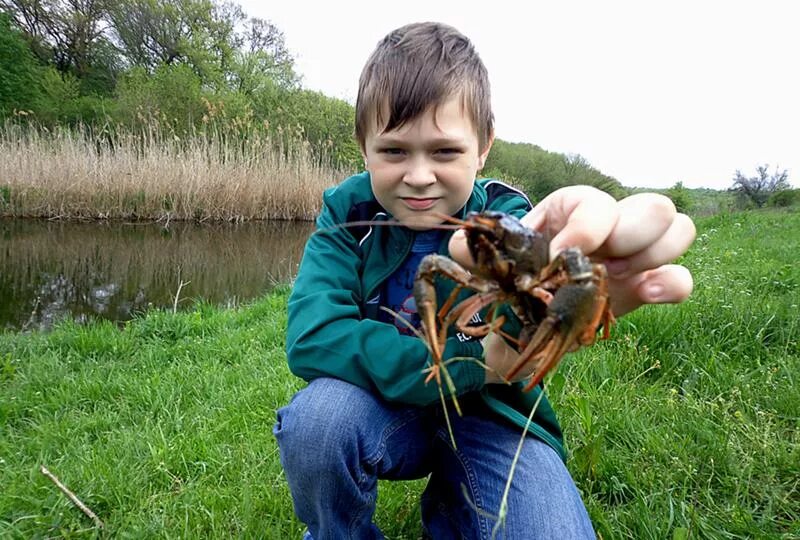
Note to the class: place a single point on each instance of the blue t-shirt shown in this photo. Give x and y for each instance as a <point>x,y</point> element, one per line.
<point>397,293</point>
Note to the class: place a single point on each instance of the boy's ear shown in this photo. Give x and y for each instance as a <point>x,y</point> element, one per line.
<point>485,152</point>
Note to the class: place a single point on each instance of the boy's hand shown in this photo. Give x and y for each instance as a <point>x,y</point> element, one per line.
<point>636,238</point>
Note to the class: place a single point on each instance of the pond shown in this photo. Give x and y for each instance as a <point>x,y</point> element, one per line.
<point>50,270</point>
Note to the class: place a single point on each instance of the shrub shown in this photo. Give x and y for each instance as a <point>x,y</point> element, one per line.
<point>681,197</point>
<point>784,198</point>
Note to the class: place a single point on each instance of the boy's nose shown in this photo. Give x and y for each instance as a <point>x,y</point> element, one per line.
<point>419,174</point>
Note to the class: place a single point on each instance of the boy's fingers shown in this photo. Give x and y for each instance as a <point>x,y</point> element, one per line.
<point>579,216</point>
<point>672,244</point>
<point>667,284</point>
<point>459,251</point>
<point>643,219</point>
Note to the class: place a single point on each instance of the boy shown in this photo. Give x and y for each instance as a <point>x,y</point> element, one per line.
<point>424,124</point>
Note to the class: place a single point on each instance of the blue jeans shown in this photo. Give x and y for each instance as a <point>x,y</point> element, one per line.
<point>336,440</point>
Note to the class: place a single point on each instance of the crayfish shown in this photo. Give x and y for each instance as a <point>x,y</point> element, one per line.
<point>560,303</point>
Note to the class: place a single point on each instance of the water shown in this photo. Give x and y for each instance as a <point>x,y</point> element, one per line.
<point>53,270</point>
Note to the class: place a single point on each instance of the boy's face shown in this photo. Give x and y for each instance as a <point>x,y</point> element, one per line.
<point>425,167</point>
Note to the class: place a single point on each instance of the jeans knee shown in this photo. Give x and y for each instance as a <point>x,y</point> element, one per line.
<point>317,430</point>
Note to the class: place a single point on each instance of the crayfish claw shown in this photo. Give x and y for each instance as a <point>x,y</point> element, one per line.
<point>553,354</point>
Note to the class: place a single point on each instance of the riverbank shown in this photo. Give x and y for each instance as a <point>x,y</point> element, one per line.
<point>683,425</point>
<point>219,176</point>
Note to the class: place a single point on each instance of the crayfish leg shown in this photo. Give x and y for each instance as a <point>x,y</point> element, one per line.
<point>435,372</point>
<point>425,298</point>
<point>463,313</point>
<point>449,303</point>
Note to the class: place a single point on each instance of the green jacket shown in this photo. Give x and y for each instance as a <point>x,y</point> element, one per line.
<point>333,329</point>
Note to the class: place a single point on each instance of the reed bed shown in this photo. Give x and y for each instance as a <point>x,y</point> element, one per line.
<point>226,174</point>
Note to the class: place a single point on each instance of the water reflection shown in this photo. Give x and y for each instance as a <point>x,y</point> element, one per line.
<point>51,270</point>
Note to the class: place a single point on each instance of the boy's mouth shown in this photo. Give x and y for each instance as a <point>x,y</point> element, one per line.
<point>419,204</point>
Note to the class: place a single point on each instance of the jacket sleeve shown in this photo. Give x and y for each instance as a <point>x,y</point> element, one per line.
<point>326,336</point>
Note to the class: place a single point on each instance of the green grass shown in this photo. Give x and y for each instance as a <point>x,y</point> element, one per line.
<point>685,424</point>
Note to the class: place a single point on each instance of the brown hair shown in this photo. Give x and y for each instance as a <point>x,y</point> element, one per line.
<point>418,66</point>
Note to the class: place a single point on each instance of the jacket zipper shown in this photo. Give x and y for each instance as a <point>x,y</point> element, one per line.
<point>394,266</point>
<point>442,250</point>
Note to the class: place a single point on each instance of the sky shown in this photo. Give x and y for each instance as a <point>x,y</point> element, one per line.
<point>651,93</point>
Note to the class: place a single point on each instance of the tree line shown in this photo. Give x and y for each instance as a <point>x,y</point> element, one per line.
<point>193,65</point>
<point>183,65</point>
<point>190,66</point>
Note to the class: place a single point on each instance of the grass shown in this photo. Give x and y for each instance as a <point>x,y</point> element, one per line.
<point>685,424</point>
<point>234,173</point>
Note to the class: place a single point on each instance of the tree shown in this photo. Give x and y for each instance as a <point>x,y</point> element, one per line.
<point>262,59</point>
<point>198,33</point>
<point>19,71</point>
<point>756,190</point>
<point>65,33</point>
<point>221,45</point>
<point>171,96</point>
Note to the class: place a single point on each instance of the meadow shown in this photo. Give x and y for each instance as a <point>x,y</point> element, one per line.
<point>685,424</point>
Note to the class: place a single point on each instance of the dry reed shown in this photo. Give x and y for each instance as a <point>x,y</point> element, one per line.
<point>220,175</point>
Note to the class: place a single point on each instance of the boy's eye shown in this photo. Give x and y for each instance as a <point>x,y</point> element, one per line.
<point>391,151</point>
<point>449,152</point>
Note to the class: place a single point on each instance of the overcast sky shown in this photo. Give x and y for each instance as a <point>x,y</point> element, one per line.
<point>651,93</point>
